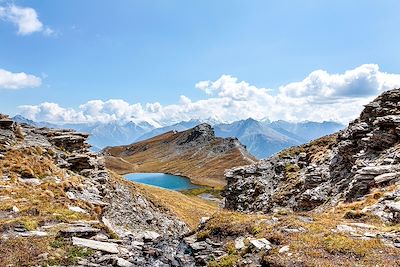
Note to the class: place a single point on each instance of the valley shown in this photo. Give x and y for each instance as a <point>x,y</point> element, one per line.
<point>331,202</point>
<point>195,153</point>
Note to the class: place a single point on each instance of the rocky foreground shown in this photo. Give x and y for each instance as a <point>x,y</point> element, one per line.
<point>59,205</point>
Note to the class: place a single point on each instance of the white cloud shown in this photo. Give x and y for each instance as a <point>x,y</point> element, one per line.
<point>365,80</point>
<point>10,80</point>
<point>25,18</point>
<point>320,96</point>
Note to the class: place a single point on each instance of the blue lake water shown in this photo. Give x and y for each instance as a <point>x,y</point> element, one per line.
<point>163,180</point>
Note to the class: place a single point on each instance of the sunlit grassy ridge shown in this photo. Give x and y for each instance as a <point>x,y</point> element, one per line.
<point>189,209</point>
<point>161,154</point>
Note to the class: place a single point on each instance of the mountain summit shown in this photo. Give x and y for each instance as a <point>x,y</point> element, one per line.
<point>195,153</point>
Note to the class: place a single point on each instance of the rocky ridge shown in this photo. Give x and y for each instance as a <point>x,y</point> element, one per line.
<point>54,191</point>
<point>345,166</point>
<point>195,153</point>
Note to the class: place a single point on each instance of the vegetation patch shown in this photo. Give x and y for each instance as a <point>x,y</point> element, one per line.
<point>226,261</point>
<point>22,251</point>
<point>203,190</point>
<point>346,245</point>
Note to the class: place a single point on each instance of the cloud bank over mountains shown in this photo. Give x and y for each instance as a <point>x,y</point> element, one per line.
<point>320,96</point>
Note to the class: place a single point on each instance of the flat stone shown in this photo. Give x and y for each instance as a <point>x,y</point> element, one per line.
<point>199,245</point>
<point>261,243</point>
<point>371,235</point>
<point>345,228</point>
<point>213,243</point>
<point>33,233</point>
<point>124,263</point>
<point>100,237</point>
<point>386,177</point>
<point>292,230</point>
<point>284,249</point>
<point>363,225</point>
<point>305,219</point>
<point>77,209</point>
<point>149,235</point>
<point>239,243</point>
<point>137,244</point>
<point>30,181</point>
<point>79,231</point>
<point>96,245</point>
<point>377,170</point>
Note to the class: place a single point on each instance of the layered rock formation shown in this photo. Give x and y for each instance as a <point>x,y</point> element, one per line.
<point>60,203</point>
<point>344,166</point>
<point>195,153</point>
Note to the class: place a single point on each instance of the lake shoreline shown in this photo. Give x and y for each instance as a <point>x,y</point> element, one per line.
<point>163,180</point>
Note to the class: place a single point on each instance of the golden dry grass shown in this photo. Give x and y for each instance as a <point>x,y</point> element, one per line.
<point>190,209</point>
<point>159,154</point>
<point>319,244</point>
<point>316,149</point>
<point>22,251</point>
<point>30,162</point>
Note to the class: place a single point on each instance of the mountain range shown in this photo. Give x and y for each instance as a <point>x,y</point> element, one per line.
<point>261,138</point>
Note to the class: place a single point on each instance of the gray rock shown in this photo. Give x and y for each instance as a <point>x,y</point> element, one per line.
<point>386,177</point>
<point>149,236</point>
<point>239,243</point>
<point>124,263</point>
<point>96,245</point>
<point>30,181</point>
<point>79,231</point>
<point>284,249</point>
<point>199,245</point>
<point>345,228</point>
<point>261,244</point>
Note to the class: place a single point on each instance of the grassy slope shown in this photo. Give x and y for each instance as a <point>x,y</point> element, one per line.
<point>159,154</point>
<point>189,209</point>
<point>318,244</point>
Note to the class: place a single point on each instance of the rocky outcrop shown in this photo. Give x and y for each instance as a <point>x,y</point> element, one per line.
<point>195,153</point>
<point>342,166</point>
<point>57,164</point>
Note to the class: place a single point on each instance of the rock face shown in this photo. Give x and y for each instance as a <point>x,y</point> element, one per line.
<point>195,153</point>
<point>52,159</point>
<point>342,166</point>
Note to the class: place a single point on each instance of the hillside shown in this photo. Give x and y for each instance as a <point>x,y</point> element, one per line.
<point>195,153</point>
<point>59,205</point>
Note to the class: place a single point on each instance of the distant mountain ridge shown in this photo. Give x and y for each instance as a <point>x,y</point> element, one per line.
<point>262,138</point>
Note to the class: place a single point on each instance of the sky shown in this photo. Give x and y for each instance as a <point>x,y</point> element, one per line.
<point>169,60</point>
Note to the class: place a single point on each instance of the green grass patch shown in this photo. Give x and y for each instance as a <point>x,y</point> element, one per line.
<point>203,190</point>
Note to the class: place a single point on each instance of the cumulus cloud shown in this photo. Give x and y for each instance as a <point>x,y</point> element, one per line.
<point>10,80</point>
<point>363,81</point>
<point>25,18</point>
<point>320,96</point>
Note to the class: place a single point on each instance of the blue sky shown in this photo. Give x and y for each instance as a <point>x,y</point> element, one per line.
<point>155,51</point>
